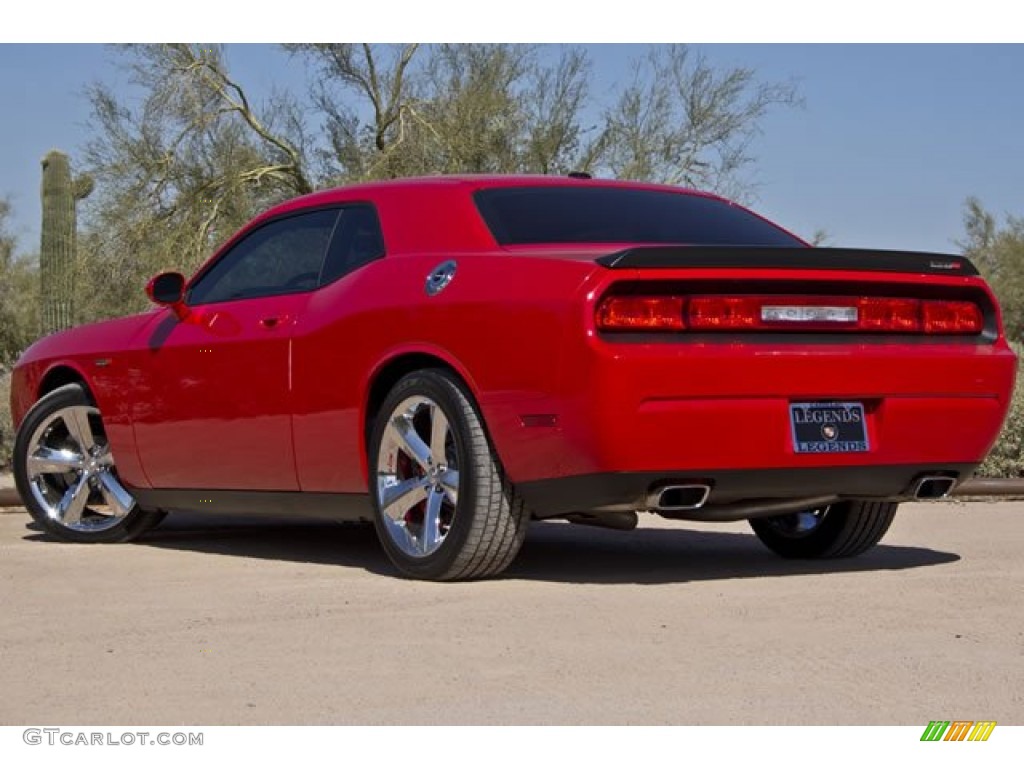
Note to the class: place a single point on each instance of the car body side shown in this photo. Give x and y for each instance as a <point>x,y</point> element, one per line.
<point>336,357</point>
<point>563,403</point>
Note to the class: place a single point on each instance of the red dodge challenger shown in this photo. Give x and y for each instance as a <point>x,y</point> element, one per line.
<point>452,357</point>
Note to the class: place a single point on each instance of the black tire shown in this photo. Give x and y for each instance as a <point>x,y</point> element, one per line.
<point>486,524</point>
<point>846,529</point>
<point>133,524</point>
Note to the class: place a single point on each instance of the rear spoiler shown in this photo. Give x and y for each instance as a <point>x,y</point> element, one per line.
<point>768,257</point>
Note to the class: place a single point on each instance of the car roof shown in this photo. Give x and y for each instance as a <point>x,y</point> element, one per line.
<point>470,181</point>
<point>437,213</point>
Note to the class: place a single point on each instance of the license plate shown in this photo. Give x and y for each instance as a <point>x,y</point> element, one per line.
<point>828,427</point>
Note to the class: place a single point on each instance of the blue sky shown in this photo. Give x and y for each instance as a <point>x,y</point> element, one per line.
<point>890,142</point>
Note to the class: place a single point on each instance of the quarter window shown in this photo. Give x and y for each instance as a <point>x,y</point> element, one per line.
<point>357,241</point>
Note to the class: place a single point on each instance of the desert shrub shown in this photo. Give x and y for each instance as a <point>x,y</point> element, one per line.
<point>1007,457</point>
<point>6,427</point>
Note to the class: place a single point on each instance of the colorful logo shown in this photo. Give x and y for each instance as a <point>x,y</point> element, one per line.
<point>958,730</point>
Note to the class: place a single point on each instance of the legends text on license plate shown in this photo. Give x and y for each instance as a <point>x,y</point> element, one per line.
<point>828,427</point>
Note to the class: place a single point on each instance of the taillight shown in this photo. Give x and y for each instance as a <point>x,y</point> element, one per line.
<point>889,315</point>
<point>866,314</point>
<point>641,313</point>
<point>952,317</point>
<point>723,313</point>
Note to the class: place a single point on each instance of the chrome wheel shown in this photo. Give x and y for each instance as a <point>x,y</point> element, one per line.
<point>442,507</point>
<point>71,473</point>
<point>418,477</point>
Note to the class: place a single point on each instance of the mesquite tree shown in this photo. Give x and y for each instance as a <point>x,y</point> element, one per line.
<point>193,154</point>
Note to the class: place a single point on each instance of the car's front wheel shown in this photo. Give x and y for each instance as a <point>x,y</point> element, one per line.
<point>66,475</point>
<point>845,529</point>
<point>443,508</point>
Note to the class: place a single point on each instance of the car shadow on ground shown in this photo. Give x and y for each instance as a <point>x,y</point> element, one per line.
<point>553,552</point>
<point>569,553</point>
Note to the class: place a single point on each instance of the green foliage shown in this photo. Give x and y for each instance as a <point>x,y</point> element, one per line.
<point>1007,456</point>
<point>998,251</point>
<point>413,110</point>
<point>19,321</point>
<point>505,109</point>
<point>189,160</point>
<point>6,426</point>
<point>999,254</point>
<point>6,240</point>
<point>19,308</point>
<point>178,169</point>
<point>19,297</point>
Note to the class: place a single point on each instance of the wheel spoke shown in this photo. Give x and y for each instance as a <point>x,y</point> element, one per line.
<point>450,484</point>
<point>397,500</point>
<point>417,489</point>
<point>104,457</point>
<point>53,461</point>
<point>115,494</point>
<point>431,523</point>
<point>77,422</point>
<point>68,462</point>
<point>73,502</point>
<point>438,434</point>
<point>402,432</point>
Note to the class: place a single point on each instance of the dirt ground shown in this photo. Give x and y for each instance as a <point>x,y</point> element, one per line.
<point>214,621</point>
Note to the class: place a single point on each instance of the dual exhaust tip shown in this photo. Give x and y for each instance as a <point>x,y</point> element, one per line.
<point>695,495</point>
<point>678,497</point>
<point>933,487</point>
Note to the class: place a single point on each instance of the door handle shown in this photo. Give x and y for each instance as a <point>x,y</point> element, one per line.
<point>273,322</point>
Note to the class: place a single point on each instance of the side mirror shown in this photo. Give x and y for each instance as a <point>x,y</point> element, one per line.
<point>168,289</point>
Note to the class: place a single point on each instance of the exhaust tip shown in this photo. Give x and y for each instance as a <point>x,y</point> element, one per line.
<point>688,496</point>
<point>933,487</point>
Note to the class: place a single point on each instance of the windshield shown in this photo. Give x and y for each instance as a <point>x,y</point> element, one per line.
<point>577,214</point>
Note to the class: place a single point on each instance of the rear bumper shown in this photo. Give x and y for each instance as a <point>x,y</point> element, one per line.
<point>629,490</point>
<point>651,411</point>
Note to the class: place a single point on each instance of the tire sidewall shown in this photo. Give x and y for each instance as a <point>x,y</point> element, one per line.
<point>444,391</point>
<point>812,544</point>
<point>63,397</point>
<point>847,529</point>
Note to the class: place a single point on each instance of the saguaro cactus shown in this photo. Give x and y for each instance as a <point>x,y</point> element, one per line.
<point>57,250</point>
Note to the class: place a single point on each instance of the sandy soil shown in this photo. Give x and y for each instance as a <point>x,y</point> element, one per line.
<point>209,621</point>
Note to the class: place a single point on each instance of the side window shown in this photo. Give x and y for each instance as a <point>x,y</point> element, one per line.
<point>357,240</point>
<point>284,256</point>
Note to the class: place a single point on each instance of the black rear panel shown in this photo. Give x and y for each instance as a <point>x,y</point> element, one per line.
<point>752,257</point>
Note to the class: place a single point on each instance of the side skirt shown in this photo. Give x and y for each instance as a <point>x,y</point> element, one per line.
<point>330,506</point>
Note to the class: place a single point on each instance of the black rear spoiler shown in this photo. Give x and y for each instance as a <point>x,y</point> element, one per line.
<point>767,257</point>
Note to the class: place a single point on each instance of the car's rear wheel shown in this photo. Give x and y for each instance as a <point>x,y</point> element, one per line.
<point>838,530</point>
<point>443,508</point>
<point>66,474</point>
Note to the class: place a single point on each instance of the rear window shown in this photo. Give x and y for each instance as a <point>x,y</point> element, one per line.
<point>540,215</point>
